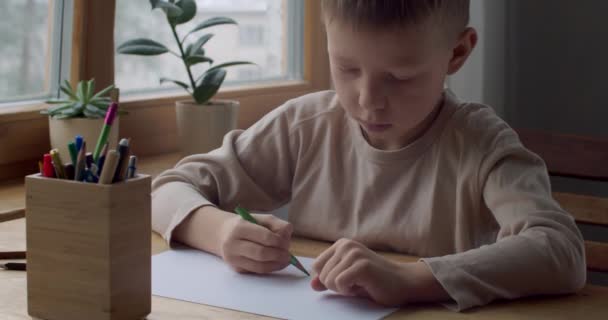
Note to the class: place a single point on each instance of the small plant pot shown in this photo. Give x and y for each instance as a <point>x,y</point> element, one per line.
<point>64,131</point>
<point>201,128</point>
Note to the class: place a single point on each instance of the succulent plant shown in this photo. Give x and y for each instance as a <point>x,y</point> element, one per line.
<point>204,87</point>
<point>81,103</point>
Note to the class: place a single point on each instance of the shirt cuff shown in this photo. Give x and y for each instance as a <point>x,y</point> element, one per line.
<point>447,276</point>
<point>171,204</point>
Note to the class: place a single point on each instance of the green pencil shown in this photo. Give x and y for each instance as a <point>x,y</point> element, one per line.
<point>105,130</point>
<point>245,215</point>
<point>73,152</point>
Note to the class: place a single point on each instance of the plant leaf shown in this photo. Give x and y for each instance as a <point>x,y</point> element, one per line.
<point>228,64</point>
<point>190,52</point>
<point>200,42</point>
<point>105,103</point>
<point>80,91</point>
<point>85,90</point>
<point>224,65</point>
<point>60,108</point>
<point>195,59</point>
<point>199,52</point>
<point>90,89</point>
<point>68,86</point>
<point>211,83</point>
<point>71,112</point>
<point>79,106</point>
<point>188,12</point>
<point>93,109</point>
<point>143,47</point>
<point>57,101</point>
<point>67,89</point>
<point>101,105</point>
<point>170,9</point>
<point>91,114</point>
<point>102,92</point>
<point>213,22</point>
<point>179,83</point>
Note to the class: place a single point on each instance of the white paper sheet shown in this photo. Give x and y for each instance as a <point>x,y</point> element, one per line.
<point>195,276</point>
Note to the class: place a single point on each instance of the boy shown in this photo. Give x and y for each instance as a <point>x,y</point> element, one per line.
<point>389,161</point>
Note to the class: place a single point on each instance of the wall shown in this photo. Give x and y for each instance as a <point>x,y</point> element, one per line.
<point>557,71</point>
<point>557,66</point>
<point>483,77</point>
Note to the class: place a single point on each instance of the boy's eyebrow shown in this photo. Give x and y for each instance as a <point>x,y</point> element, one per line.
<point>397,62</point>
<point>405,61</point>
<point>341,58</point>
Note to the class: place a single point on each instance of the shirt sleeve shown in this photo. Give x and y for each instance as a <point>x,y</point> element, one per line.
<point>252,168</point>
<point>538,250</point>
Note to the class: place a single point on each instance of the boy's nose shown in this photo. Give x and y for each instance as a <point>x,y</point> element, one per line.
<point>371,96</point>
<point>372,99</point>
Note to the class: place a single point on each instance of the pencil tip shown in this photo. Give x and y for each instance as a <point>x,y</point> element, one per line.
<point>301,267</point>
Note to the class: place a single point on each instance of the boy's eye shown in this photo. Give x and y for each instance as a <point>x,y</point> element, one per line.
<point>348,70</point>
<point>399,78</point>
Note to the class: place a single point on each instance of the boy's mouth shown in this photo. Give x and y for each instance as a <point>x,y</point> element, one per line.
<point>376,127</point>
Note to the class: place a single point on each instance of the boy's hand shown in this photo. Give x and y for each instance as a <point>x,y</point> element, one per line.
<point>248,247</point>
<point>349,268</point>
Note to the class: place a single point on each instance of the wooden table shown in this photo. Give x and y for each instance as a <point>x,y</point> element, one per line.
<point>590,303</point>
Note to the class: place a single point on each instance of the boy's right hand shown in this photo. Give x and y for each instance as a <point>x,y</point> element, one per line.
<point>248,247</point>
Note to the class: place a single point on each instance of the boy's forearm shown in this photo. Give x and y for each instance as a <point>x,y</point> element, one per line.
<point>426,288</point>
<point>202,229</point>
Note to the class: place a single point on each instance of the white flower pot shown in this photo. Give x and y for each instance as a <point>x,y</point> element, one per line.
<point>64,131</point>
<point>201,128</point>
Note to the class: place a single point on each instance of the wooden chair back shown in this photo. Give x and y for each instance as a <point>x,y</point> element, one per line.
<point>583,158</point>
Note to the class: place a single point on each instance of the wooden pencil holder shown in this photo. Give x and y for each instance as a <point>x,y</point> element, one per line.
<point>88,249</point>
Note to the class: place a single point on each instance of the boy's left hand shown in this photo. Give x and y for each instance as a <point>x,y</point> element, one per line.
<point>350,268</point>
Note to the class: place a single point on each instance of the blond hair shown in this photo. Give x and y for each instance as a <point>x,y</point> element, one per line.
<point>452,15</point>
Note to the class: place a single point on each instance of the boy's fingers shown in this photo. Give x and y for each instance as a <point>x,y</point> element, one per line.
<point>237,269</point>
<point>261,235</point>
<point>333,272</point>
<point>257,252</point>
<point>329,269</point>
<point>316,284</point>
<point>343,277</point>
<point>259,267</point>
<point>322,259</point>
<point>275,224</point>
<point>346,281</point>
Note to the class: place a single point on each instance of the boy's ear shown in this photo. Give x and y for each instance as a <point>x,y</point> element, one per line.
<point>463,49</point>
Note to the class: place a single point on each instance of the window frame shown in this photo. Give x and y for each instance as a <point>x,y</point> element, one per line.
<point>60,17</point>
<point>92,54</point>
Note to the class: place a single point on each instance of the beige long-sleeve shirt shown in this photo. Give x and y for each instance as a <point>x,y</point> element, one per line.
<point>466,196</point>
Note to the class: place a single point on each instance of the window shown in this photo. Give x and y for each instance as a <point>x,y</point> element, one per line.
<point>251,35</point>
<point>263,36</point>
<point>249,74</point>
<point>31,59</point>
<point>72,39</point>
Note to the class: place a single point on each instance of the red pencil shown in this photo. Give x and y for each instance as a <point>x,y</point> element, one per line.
<point>47,166</point>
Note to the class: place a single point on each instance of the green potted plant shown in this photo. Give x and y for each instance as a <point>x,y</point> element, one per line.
<point>81,112</point>
<point>201,121</point>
